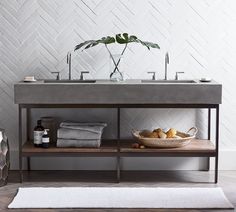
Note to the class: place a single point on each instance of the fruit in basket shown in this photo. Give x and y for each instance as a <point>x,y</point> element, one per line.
<point>146,133</point>
<point>171,133</point>
<point>158,130</point>
<point>162,135</point>
<point>154,135</point>
<point>159,133</point>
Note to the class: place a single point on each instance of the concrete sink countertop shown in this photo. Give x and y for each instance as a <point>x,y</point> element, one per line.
<point>125,92</point>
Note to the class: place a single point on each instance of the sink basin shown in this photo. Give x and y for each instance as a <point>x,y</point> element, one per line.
<point>69,81</point>
<point>168,81</point>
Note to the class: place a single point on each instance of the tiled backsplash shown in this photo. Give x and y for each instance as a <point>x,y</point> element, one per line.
<point>35,36</point>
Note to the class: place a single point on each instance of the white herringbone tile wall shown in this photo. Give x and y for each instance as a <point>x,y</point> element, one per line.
<point>199,35</point>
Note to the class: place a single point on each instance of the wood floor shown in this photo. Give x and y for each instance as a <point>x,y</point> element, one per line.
<point>227,181</point>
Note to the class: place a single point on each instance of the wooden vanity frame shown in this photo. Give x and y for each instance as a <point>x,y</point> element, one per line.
<point>119,148</point>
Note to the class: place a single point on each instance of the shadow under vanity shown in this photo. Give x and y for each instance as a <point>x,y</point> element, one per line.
<point>127,94</point>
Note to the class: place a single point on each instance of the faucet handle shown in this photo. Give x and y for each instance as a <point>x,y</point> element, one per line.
<point>177,74</point>
<point>153,74</point>
<point>82,74</point>
<point>68,57</point>
<point>57,74</point>
<point>167,57</point>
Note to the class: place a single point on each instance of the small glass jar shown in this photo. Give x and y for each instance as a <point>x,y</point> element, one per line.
<point>50,124</point>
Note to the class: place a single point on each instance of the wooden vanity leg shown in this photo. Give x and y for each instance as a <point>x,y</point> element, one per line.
<point>217,143</point>
<point>118,146</point>
<point>28,130</point>
<point>20,141</point>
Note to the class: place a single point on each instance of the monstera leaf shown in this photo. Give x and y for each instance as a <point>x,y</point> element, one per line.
<point>148,44</point>
<point>107,40</point>
<point>92,43</point>
<point>124,38</point>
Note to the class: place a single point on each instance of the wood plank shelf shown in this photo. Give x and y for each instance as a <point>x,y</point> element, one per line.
<point>196,148</point>
<point>107,148</point>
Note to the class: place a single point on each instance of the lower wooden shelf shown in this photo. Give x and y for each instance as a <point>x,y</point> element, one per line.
<point>197,148</point>
<point>107,148</point>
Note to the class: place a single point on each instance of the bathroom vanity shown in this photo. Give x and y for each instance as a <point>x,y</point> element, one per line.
<point>120,95</point>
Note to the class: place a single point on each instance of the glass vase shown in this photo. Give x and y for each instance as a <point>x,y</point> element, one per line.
<point>115,67</point>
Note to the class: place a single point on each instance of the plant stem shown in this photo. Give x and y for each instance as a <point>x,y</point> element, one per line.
<point>116,65</point>
<point>122,53</point>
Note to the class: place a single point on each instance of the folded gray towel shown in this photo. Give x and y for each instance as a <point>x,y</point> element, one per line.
<point>70,130</point>
<point>94,143</point>
<point>91,127</point>
<point>77,134</point>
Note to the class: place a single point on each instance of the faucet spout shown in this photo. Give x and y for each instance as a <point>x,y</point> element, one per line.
<point>69,63</point>
<point>167,60</point>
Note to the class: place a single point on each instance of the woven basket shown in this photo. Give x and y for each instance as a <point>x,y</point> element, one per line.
<point>167,142</point>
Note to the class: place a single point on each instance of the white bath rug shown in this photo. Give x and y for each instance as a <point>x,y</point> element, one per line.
<point>120,197</point>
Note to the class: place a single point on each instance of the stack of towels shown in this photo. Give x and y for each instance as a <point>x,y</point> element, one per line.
<point>71,134</point>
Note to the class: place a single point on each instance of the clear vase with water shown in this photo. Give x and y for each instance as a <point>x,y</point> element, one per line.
<point>116,73</point>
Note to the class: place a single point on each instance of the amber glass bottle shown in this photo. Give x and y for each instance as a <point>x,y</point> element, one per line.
<point>38,134</point>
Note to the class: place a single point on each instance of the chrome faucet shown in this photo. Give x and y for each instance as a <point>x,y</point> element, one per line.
<point>177,74</point>
<point>153,74</point>
<point>166,63</point>
<point>57,74</point>
<point>69,63</point>
<point>82,74</point>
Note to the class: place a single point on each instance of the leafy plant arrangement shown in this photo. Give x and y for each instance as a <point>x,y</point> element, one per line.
<point>124,39</point>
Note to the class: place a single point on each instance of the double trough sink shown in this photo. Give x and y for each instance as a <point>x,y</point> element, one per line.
<point>142,81</point>
<point>69,81</point>
<point>168,81</point>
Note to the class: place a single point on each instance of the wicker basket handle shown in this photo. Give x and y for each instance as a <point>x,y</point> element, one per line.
<point>135,133</point>
<point>194,131</point>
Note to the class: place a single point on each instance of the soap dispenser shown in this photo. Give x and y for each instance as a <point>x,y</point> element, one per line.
<point>45,139</point>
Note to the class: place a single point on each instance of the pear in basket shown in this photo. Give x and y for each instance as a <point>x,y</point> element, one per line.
<point>157,130</point>
<point>145,133</point>
<point>162,135</point>
<point>171,133</point>
<point>154,135</point>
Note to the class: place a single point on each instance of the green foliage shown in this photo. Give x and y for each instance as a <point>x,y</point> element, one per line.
<point>124,38</point>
